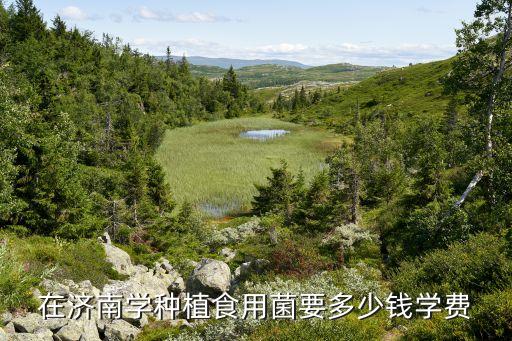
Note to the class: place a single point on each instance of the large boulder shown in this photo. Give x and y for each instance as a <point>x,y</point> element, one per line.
<point>120,330</point>
<point>119,259</point>
<point>210,277</point>
<point>177,286</point>
<point>71,332</point>
<point>24,337</point>
<point>44,334</point>
<point>9,328</point>
<point>82,329</point>
<point>28,323</point>
<point>141,283</point>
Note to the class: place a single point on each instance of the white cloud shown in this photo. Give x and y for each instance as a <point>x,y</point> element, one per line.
<point>362,53</point>
<point>76,14</point>
<point>145,13</point>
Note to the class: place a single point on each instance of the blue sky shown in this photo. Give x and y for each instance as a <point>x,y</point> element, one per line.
<point>370,32</point>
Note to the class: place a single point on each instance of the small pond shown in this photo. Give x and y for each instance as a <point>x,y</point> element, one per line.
<point>263,134</point>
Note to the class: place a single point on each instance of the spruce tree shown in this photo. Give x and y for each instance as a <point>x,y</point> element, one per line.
<point>27,21</point>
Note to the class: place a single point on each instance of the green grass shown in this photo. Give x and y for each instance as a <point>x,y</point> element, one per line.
<point>78,261</point>
<point>211,166</point>
<point>408,91</point>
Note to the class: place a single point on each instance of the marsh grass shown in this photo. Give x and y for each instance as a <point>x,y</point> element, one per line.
<point>211,166</point>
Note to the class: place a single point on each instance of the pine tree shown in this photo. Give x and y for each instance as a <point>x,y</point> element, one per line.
<point>135,182</point>
<point>231,84</point>
<point>27,21</point>
<point>184,68</point>
<point>59,26</point>
<point>158,189</point>
<point>168,59</point>
<point>4,26</point>
<point>277,195</point>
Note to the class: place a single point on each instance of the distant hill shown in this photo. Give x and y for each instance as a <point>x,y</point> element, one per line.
<point>407,91</point>
<point>237,63</point>
<point>267,75</point>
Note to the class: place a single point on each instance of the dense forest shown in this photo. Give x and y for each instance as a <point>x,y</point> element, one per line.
<point>80,121</point>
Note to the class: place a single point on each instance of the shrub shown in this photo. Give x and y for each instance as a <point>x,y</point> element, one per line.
<point>438,328</point>
<point>492,317</point>
<point>296,258</point>
<point>475,267</point>
<point>349,328</point>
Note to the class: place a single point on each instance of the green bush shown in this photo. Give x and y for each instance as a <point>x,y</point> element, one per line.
<point>492,317</point>
<point>438,328</point>
<point>475,267</point>
<point>349,328</point>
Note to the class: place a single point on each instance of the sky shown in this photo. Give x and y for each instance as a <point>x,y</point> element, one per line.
<point>370,32</point>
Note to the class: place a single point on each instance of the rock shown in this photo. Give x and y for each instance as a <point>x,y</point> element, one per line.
<point>36,294</point>
<point>105,239</point>
<point>9,328</point>
<point>191,263</point>
<point>54,324</point>
<point>3,335</point>
<point>28,323</point>
<point>131,318</point>
<point>90,331</point>
<point>164,265</point>
<point>177,286</point>
<point>120,330</point>
<point>44,334</point>
<point>119,259</point>
<point>82,329</point>
<point>100,325</point>
<point>228,254</point>
<point>71,332</point>
<point>141,283</point>
<point>56,288</point>
<point>5,318</point>
<point>179,323</point>
<point>210,277</point>
<point>24,337</point>
<point>256,266</point>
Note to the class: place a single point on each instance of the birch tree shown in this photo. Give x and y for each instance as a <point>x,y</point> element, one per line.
<point>481,71</point>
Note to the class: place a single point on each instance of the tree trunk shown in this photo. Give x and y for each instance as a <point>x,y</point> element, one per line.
<point>341,254</point>
<point>490,110</point>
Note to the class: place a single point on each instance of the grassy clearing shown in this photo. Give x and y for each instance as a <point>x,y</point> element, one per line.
<point>210,166</point>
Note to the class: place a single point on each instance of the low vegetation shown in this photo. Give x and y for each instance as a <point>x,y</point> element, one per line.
<point>211,166</point>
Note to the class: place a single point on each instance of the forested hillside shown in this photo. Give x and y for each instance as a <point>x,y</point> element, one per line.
<point>408,91</point>
<point>271,75</point>
<point>80,121</point>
